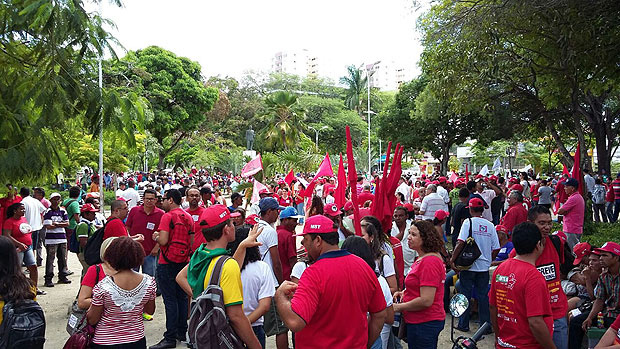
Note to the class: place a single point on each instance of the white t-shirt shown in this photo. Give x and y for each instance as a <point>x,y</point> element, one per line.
<point>329,199</point>
<point>484,233</point>
<point>395,231</point>
<point>257,284</point>
<point>404,189</point>
<point>298,269</point>
<point>34,211</point>
<point>385,331</point>
<point>388,266</point>
<point>269,238</point>
<point>441,191</point>
<point>132,196</point>
<point>431,204</point>
<point>409,255</point>
<point>488,195</point>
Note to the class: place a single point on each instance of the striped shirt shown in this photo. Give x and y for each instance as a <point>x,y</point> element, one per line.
<point>56,235</point>
<point>121,321</point>
<point>431,204</point>
<point>616,187</point>
<point>607,289</point>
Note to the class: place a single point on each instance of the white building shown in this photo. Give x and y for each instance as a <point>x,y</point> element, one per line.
<point>388,76</point>
<point>296,62</point>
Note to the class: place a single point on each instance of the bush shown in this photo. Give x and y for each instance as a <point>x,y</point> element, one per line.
<point>597,233</point>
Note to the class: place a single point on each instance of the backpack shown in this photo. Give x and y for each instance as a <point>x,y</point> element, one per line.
<point>178,248</point>
<point>564,252</point>
<point>598,194</point>
<point>92,250</point>
<point>208,326</point>
<point>469,253</point>
<point>74,243</point>
<point>23,325</point>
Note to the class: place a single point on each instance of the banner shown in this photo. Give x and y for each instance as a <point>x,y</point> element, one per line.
<point>258,186</point>
<point>484,170</point>
<point>253,167</point>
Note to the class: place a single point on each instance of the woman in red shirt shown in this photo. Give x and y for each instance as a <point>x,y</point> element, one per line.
<point>422,300</point>
<point>16,228</point>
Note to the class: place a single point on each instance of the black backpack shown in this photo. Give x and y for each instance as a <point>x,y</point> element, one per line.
<point>208,326</point>
<point>23,325</point>
<point>93,246</point>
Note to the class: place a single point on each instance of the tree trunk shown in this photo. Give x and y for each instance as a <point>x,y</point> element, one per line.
<point>161,162</point>
<point>445,157</point>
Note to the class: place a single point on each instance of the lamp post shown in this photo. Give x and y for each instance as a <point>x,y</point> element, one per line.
<point>510,152</point>
<point>368,74</point>
<point>316,134</point>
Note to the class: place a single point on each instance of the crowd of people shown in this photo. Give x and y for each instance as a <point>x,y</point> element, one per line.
<point>386,284</point>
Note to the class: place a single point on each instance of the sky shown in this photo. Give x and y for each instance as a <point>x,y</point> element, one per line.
<point>230,37</point>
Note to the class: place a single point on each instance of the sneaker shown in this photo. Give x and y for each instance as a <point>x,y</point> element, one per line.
<point>41,292</point>
<point>147,317</point>
<point>64,281</point>
<point>48,283</point>
<point>68,272</point>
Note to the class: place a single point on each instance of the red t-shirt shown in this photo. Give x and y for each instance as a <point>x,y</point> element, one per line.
<point>114,227</point>
<point>365,196</point>
<point>518,291</point>
<point>90,278</point>
<point>516,214</point>
<point>333,297</point>
<point>4,204</point>
<point>138,222</point>
<point>549,266</point>
<point>428,271</point>
<point>616,326</point>
<point>20,229</point>
<point>164,225</point>
<point>198,237</point>
<point>286,249</point>
<point>285,202</point>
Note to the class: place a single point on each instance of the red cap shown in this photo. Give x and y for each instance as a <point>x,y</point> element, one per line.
<point>443,179</point>
<point>610,247</point>
<point>517,187</point>
<point>365,211</point>
<point>435,182</point>
<point>88,208</point>
<point>348,205</point>
<point>493,177</point>
<point>331,210</point>
<point>478,176</point>
<point>513,180</point>
<point>441,214</point>
<point>475,202</point>
<point>318,224</point>
<point>502,228</point>
<point>214,215</point>
<point>265,191</point>
<point>251,219</point>
<point>581,250</point>
<point>235,214</point>
<point>409,207</point>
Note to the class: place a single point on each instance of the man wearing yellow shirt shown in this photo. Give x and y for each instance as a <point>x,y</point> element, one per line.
<point>218,230</point>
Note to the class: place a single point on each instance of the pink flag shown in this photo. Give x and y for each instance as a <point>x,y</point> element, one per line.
<point>289,178</point>
<point>342,185</point>
<point>253,167</point>
<point>453,177</point>
<point>258,186</point>
<point>325,169</point>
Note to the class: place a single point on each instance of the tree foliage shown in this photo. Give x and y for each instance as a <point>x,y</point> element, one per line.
<point>284,119</point>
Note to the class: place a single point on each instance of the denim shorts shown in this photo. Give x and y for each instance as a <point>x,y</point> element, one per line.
<point>27,257</point>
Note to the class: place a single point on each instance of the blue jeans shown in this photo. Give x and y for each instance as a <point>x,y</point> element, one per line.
<point>259,331</point>
<point>424,335</point>
<point>616,210</point>
<point>377,344</point>
<point>560,333</point>
<point>175,300</point>
<point>149,265</point>
<point>301,212</point>
<point>480,281</point>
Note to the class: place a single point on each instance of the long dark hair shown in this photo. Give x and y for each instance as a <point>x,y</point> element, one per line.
<point>252,254</point>
<point>316,207</point>
<point>375,231</point>
<point>10,211</point>
<point>358,246</point>
<point>14,285</point>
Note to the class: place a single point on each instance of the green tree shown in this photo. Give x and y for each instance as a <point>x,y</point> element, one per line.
<point>355,83</point>
<point>284,118</point>
<point>174,88</point>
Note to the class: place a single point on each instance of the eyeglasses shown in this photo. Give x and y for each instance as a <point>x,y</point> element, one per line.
<point>150,199</point>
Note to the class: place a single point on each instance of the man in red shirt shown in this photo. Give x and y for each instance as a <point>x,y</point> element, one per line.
<point>114,226</point>
<point>555,260</point>
<point>338,302</point>
<point>516,211</point>
<point>144,219</point>
<point>519,300</point>
<point>365,196</point>
<point>615,186</point>
<point>195,210</point>
<point>286,240</point>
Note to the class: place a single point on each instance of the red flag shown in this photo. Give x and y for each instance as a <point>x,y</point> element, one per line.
<point>565,170</point>
<point>353,183</point>
<point>466,172</point>
<point>254,166</point>
<point>341,188</point>
<point>325,168</point>
<point>309,190</point>
<point>577,168</point>
<point>385,198</point>
<point>289,178</point>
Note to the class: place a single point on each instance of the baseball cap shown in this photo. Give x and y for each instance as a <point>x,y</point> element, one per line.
<point>501,228</point>
<point>610,247</point>
<point>265,191</point>
<point>214,215</point>
<point>408,206</point>
<point>348,206</point>
<point>475,202</point>
<point>441,214</point>
<point>581,250</point>
<point>55,195</point>
<point>318,224</point>
<point>443,179</point>
<point>289,212</point>
<point>572,182</point>
<point>269,203</point>
<point>93,195</point>
<point>331,210</point>
<point>88,208</point>
<point>235,214</point>
<point>252,219</point>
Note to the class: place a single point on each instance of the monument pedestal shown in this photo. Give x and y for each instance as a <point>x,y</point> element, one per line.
<point>250,153</point>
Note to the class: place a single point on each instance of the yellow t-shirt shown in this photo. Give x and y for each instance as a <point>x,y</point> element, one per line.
<point>35,298</point>
<point>230,281</point>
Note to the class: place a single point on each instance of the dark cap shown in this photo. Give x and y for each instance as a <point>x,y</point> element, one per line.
<point>572,182</point>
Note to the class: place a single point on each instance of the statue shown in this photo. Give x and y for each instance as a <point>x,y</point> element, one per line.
<point>249,138</point>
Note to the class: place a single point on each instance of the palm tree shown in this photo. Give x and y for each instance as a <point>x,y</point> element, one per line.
<point>355,82</point>
<point>284,119</point>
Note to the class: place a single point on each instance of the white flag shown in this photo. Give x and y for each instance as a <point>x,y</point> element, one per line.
<point>484,171</point>
<point>496,165</point>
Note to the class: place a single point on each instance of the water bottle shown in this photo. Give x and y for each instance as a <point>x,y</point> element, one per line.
<point>599,320</point>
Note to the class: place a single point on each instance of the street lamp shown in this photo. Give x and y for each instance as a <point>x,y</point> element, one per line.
<point>368,74</point>
<point>316,134</point>
<point>510,152</point>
